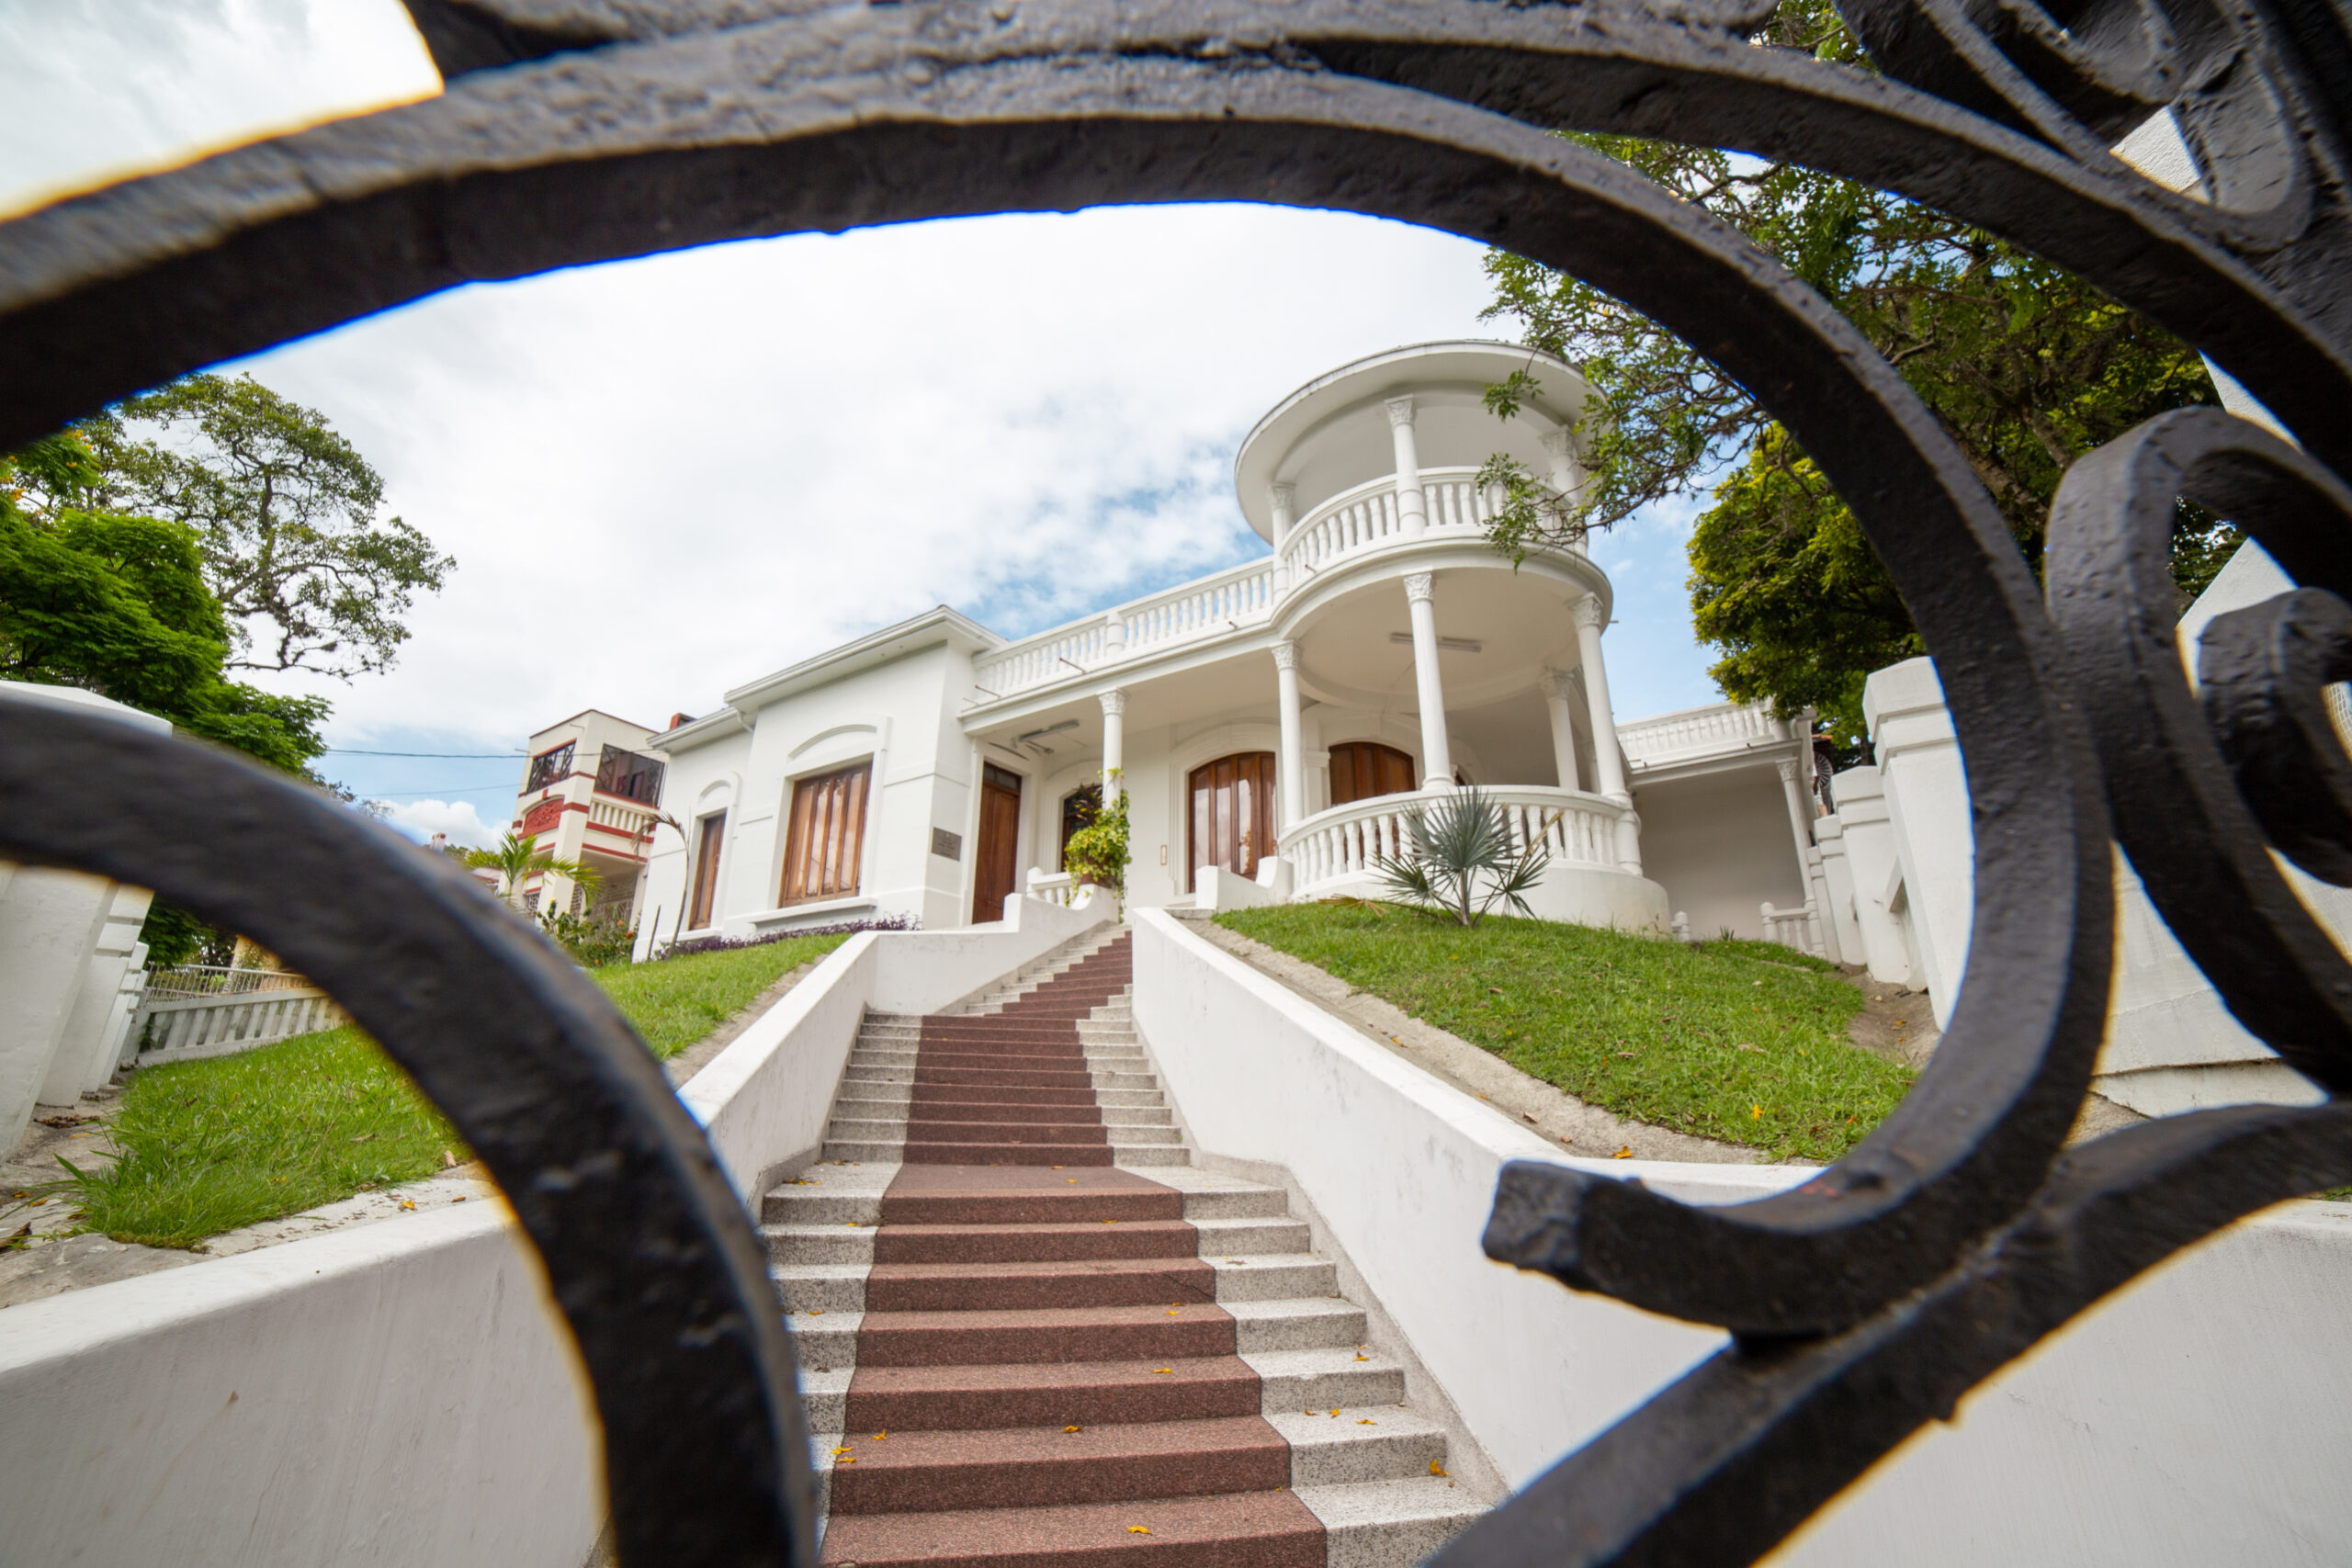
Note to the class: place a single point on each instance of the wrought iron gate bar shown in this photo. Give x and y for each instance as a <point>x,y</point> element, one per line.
<point>1868,1301</point>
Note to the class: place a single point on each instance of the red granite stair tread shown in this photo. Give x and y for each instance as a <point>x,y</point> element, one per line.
<point>1026,1060</point>
<point>1034,1336</point>
<point>1004,1078</point>
<point>949,1287</point>
<point>1034,1466</point>
<point>1250,1529</point>
<point>942,1153</point>
<point>1181,1387</point>
<point>994,1094</point>
<point>1064,1240</point>
<point>982,1194</point>
<point>947,1129</point>
<point>927,1109</point>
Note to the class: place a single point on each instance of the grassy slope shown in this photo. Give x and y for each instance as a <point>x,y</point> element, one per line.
<point>1736,1040</point>
<point>207,1146</point>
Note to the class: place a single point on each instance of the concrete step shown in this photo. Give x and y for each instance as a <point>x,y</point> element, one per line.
<point>1012,1286</point>
<point>1297,1323</point>
<point>1152,1156</point>
<point>1387,1524</point>
<point>1274,1276</point>
<point>1061,1242</point>
<point>1325,1378</point>
<point>1253,1236</point>
<point>829,1195</point>
<point>1361,1443</point>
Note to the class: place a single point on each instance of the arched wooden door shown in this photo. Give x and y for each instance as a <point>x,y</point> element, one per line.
<point>1362,768</point>
<point>1233,814</point>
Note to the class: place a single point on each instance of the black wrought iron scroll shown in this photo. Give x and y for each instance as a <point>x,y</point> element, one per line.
<point>1863,1304</point>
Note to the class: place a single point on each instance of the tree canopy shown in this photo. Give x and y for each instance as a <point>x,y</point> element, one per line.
<point>2025,366</point>
<point>285,512</point>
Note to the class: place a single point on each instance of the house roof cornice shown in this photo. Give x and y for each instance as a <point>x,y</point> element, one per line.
<point>932,628</point>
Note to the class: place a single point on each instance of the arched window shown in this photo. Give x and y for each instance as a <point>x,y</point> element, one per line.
<point>1233,814</point>
<point>1362,768</point>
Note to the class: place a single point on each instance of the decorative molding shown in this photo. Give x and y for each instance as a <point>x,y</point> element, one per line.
<point>1285,655</point>
<point>1419,586</point>
<point>1115,703</point>
<point>1587,611</point>
<point>1400,412</point>
<point>1788,769</point>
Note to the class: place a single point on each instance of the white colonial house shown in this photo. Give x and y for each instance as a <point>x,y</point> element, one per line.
<point>1272,723</point>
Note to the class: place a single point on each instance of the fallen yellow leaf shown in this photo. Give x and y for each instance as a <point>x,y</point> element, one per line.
<point>881,1436</point>
<point>1436,1469</point>
<point>815,1312</point>
<point>1335,1412</point>
<point>1158,1369</point>
<point>837,1452</point>
<point>408,1203</point>
<point>1363,1358</point>
<point>1756,1111</point>
<point>1625,1153</point>
<point>1137,1529</point>
<point>1070,1428</point>
<point>1367,1421</point>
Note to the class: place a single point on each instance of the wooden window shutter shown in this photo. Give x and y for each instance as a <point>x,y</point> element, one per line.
<point>827,838</point>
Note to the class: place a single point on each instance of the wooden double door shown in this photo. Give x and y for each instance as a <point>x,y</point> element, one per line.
<point>993,858</point>
<point>1233,814</point>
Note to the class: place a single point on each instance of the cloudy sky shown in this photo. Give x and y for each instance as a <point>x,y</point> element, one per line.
<point>663,479</point>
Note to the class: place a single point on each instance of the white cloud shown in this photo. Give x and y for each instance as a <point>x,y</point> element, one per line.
<point>665,477</point>
<point>420,819</point>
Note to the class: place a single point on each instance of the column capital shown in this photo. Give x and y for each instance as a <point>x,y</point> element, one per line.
<point>1282,496</point>
<point>1587,611</point>
<point>1400,411</point>
<point>1114,703</point>
<point>1419,587</point>
<point>1788,767</point>
<point>1285,655</point>
<point>1551,683</point>
<point>1560,443</point>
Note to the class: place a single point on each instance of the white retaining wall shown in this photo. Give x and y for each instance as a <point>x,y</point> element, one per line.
<point>403,1393</point>
<point>2195,1418</point>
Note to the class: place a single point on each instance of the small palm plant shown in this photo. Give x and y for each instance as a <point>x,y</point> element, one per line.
<point>517,860</point>
<point>1459,843</point>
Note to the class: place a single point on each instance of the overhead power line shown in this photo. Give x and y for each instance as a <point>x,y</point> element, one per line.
<point>443,756</point>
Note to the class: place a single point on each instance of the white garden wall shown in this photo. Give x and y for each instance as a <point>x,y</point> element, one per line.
<point>2196,1418</point>
<point>402,1393</point>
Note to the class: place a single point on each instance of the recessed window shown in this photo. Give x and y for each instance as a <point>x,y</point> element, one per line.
<point>827,836</point>
<point>713,834</point>
<point>550,767</point>
<point>629,774</point>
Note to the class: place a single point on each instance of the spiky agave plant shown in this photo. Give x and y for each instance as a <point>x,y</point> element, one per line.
<point>1456,842</point>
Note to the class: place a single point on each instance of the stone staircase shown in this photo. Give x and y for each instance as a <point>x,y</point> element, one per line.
<point>1032,1334</point>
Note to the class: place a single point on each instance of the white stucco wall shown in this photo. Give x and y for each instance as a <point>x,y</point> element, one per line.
<point>895,714</point>
<point>1720,845</point>
<point>2194,1418</point>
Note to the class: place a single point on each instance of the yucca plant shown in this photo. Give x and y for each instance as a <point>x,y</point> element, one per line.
<point>1462,863</point>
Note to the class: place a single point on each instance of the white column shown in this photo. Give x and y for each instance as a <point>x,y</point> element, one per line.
<point>1412,507</point>
<point>1278,502</point>
<point>1115,742</point>
<point>1607,761</point>
<point>1568,474</point>
<point>1564,728</point>
<point>1114,636</point>
<point>1291,762</point>
<point>1809,872</point>
<point>1920,767</point>
<point>1437,757</point>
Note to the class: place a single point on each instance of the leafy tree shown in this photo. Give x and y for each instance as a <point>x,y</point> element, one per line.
<point>2027,366</point>
<point>285,512</point>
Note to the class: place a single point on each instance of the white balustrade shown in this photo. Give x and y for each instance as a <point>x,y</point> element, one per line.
<point>184,1027</point>
<point>216,980</point>
<point>1723,726</point>
<point>635,821</point>
<point>1060,888</point>
<point>1349,840</point>
<point>1235,599</point>
<point>1799,928</point>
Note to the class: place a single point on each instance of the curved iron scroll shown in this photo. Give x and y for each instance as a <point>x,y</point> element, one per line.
<point>576,130</point>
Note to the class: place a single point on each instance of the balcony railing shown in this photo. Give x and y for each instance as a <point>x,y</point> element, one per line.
<point>1349,840</point>
<point>1725,727</point>
<point>621,819</point>
<point>1367,515</point>
<point>1237,598</point>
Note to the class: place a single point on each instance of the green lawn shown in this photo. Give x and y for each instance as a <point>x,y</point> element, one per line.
<point>207,1146</point>
<point>1738,1040</point>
